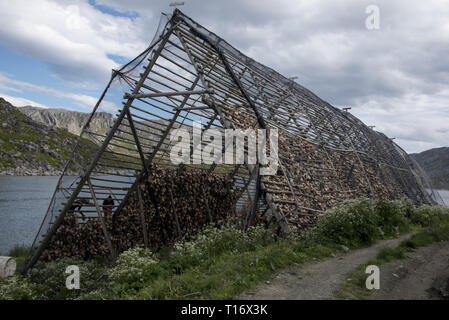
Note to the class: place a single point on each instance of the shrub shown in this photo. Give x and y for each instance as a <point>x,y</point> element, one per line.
<point>427,215</point>
<point>213,241</point>
<point>351,223</point>
<point>50,278</point>
<point>406,206</point>
<point>392,216</point>
<point>134,267</point>
<point>19,288</point>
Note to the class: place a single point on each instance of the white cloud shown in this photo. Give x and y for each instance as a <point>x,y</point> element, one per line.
<point>417,121</point>
<point>73,38</point>
<point>9,88</point>
<point>21,102</point>
<point>81,100</point>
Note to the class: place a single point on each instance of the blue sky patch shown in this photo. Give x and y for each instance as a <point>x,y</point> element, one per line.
<point>118,59</point>
<point>108,10</point>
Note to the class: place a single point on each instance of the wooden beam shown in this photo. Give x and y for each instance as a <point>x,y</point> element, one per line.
<point>103,224</point>
<point>142,218</point>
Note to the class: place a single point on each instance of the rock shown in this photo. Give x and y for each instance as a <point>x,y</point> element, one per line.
<point>333,255</point>
<point>401,271</point>
<point>344,248</point>
<point>268,282</point>
<point>70,121</point>
<point>4,125</point>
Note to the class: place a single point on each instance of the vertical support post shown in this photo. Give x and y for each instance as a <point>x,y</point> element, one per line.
<point>136,139</point>
<point>255,202</point>
<point>103,224</point>
<point>142,218</point>
<point>277,212</point>
<point>175,213</point>
<point>207,204</point>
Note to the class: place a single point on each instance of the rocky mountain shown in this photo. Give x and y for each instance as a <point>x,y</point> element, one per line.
<point>28,147</point>
<point>436,163</point>
<point>72,121</point>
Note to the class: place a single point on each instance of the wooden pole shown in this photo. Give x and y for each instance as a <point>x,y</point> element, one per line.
<point>142,218</point>
<point>209,214</point>
<point>103,224</point>
<point>175,213</point>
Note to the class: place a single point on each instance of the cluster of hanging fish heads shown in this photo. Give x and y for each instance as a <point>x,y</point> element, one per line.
<point>325,155</point>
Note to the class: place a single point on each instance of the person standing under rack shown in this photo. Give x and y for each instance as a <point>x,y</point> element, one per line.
<point>108,204</point>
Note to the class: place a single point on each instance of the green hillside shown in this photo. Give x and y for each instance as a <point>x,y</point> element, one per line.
<point>28,147</point>
<point>436,163</point>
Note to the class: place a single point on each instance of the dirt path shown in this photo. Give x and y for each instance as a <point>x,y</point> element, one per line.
<point>316,280</point>
<point>423,275</point>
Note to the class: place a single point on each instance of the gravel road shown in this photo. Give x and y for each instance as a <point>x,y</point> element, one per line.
<point>423,274</point>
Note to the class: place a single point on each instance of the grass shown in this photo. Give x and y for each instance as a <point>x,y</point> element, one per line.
<point>19,251</point>
<point>227,275</point>
<point>354,287</point>
<point>221,263</point>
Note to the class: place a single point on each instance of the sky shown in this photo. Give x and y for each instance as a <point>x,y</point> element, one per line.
<point>395,76</point>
